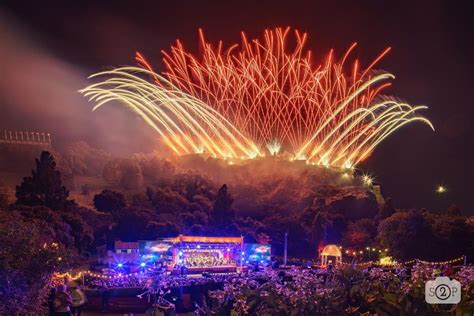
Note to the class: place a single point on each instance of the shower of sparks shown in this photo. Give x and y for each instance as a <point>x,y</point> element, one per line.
<point>261,97</point>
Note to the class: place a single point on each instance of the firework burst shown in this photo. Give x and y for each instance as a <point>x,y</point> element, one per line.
<point>261,97</point>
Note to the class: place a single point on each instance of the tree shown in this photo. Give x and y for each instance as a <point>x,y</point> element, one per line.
<point>80,231</point>
<point>132,176</point>
<point>29,255</point>
<point>44,187</point>
<point>109,201</point>
<point>190,185</point>
<point>360,234</point>
<point>125,173</point>
<point>454,236</point>
<point>67,228</point>
<point>223,213</point>
<point>408,235</point>
<point>166,200</point>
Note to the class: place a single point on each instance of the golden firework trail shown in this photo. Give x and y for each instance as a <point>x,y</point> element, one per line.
<point>260,97</point>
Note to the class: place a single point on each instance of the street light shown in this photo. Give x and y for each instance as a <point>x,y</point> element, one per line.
<point>441,189</point>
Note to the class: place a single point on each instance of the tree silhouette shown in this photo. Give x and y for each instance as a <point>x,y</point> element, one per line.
<point>223,213</point>
<point>25,267</point>
<point>408,235</point>
<point>109,201</point>
<point>44,187</point>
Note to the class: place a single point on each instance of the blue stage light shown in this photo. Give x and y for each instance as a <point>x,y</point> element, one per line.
<point>142,264</point>
<point>120,265</point>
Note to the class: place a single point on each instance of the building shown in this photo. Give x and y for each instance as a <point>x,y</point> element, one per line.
<point>120,253</point>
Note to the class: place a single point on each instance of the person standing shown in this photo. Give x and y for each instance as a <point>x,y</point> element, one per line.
<point>51,297</point>
<point>62,301</point>
<point>78,300</point>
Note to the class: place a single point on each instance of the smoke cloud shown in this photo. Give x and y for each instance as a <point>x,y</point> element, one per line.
<point>38,92</point>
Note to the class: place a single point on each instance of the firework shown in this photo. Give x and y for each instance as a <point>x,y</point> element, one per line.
<point>261,97</point>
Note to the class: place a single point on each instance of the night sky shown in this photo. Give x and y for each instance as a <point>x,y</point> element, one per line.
<point>50,44</point>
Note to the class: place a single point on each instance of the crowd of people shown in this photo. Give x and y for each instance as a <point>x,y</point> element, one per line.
<point>295,288</point>
<point>122,282</point>
<point>66,302</point>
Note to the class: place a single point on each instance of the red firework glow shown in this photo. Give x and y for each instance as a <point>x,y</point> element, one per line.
<point>265,96</point>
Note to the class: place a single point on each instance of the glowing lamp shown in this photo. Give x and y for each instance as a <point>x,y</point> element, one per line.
<point>441,189</point>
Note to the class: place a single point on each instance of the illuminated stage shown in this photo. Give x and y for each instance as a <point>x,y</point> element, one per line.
<point>203,254</point>
<point>214,254</point>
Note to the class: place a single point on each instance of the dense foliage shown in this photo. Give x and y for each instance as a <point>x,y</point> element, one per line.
<point>346,291</point>
<point>29,254</point>
<point>180,200</point>
<point>44,187</point>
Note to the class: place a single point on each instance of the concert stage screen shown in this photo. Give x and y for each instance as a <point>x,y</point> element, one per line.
<point>257,253</point>
<point>155,251</point>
